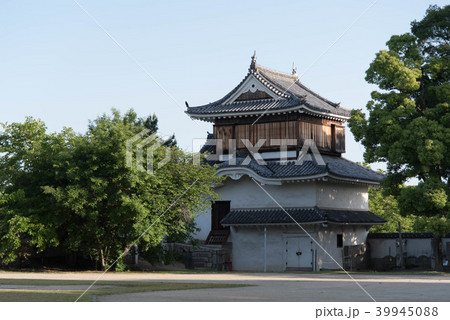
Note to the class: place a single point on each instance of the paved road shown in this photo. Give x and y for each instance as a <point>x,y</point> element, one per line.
<point>274,286</point>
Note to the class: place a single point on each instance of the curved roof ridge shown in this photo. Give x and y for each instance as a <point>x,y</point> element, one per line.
<point>297,82</point>
<point>270,85</point>
<point>301,85</point>
<point>317,95</point>
<point>275,87</point>
<point>275,72</point>
<point>363,167</point>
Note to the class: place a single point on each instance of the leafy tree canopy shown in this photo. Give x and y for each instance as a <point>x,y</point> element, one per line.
<point>76,191</point>
<point>386,207</point>
<point>408,123</point>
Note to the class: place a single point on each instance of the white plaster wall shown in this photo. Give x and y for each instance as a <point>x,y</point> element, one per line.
<point>380,248</point>
<point>327,237</point>
<point>419,247</point>
<point>248,246</point>
<point>342,196</point>
<point>245,193</point>
<point>248,242</point>
<point>444,247</point>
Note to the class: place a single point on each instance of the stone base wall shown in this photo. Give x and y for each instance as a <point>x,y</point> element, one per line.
<point>205,257</point>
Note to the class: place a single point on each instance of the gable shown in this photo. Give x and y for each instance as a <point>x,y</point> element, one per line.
<point>252,89</point>
<point>257,95</point>
<point>263,89</point>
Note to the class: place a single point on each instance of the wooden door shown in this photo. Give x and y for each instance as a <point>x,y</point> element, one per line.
<point>298,253</point>
<point>219,210</point>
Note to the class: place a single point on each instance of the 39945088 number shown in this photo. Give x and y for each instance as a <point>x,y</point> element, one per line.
<point>407,311</point>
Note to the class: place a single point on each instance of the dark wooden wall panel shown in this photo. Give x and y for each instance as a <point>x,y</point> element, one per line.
<point>224,133</point>
<point>340,139</point>
<point>327,134</point>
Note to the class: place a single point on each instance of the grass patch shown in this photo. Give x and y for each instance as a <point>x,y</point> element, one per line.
<point>117,287</point>
<point>42,296</point>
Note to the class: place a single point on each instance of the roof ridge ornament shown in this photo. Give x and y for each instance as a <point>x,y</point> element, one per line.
<point>294,69</point>
<point>253,63</point>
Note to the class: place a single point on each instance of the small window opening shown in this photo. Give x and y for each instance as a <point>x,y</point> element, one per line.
<point>340,240</point>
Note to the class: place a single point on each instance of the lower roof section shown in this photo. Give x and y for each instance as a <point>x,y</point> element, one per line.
<point>336,168</point>
<point>278,216</point>
<point>405,235</point>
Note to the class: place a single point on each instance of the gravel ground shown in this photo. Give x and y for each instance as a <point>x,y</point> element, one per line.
<point>273,286</point>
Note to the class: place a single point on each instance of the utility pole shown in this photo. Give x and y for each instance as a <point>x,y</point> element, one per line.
<point>402,264</point>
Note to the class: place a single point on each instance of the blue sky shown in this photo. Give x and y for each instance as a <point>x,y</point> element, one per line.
<point>57,65</point>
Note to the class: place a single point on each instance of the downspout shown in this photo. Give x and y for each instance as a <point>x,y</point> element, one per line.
<point>265,249</point>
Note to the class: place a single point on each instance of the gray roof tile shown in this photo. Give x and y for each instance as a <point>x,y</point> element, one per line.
<point>245,106</point>
<point>210,148</point>
<point>299,215</point>
<point>334,165</point>
<point>405,235</point>
<point>292,94</point>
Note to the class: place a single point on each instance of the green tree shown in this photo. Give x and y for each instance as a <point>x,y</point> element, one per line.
<point>408,125</point>
<point>28,218</point>
<point>386,207</point>
<point>77,191</point>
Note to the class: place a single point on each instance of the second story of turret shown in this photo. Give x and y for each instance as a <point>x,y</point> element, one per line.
<point>272,110</point>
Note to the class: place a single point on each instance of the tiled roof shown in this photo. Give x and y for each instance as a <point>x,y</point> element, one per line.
<point>405,235</point>
<point>300,215</point>
<point>334,165</point>
<point>245,106</point>
<point>292,95</point>
<point>345,168</point>
<point>297,89</point>
<point>211,148</point>
<point>264,171</point>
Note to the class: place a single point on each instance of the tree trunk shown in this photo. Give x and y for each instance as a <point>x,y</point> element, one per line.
<point>106,256</point>
<point>437,253</point>
<point>102,259</point>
